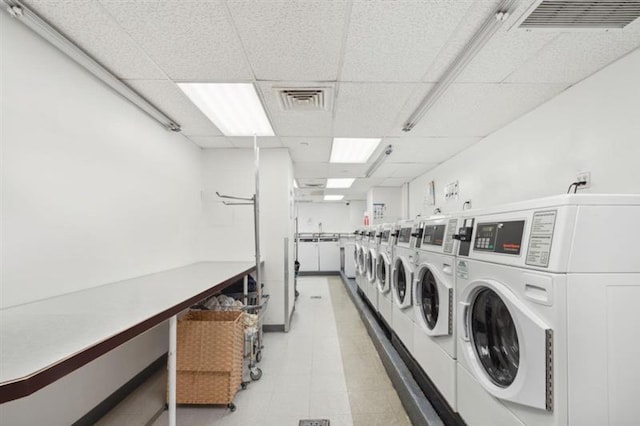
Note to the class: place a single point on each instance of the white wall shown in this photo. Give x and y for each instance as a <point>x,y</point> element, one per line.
<point>335,217</point>
<point>93,191</point>
<point>391,197</point>
<point>227,231</point>
<point>593,126</point>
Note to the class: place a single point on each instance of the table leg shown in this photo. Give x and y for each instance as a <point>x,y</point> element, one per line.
<point>172,369</point>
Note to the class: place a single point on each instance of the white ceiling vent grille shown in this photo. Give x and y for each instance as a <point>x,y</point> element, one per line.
<point>577,15</point>
<point>305,99</point>
<point>311,183</point>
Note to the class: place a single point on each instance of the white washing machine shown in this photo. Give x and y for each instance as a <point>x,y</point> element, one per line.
<point>370,266</point>
<point>383,272</point>
<point>367,241</point>
<point>434,333</point>
<point>548,293</point>
<point>359,256</point>
<point>404,257</point>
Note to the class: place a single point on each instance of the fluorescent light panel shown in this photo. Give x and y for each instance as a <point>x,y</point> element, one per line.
<point>234,108</point>
<point>340,183</point>
<point>333,197</point>
<point>353,150</point>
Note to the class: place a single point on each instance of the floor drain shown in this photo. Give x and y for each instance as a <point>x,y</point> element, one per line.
<point>317,297</point>
<point>322,422</point>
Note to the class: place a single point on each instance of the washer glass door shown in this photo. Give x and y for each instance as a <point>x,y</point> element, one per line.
<point>381,272</point>
<point>429,298</point>
<point>494,337</point>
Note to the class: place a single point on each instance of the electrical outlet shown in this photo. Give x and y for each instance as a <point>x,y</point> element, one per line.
<point>584,177</point>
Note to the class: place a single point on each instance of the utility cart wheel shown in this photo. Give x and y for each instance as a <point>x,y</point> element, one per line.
<point>244,385</point>
<point>255,375</point>
<point>259,356</point>
<point>231,406</point>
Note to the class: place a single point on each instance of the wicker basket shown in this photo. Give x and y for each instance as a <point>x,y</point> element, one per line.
<point>209,357</point>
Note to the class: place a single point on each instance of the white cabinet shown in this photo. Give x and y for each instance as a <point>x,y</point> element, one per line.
<point>329,255</point>
<point>308,256</point>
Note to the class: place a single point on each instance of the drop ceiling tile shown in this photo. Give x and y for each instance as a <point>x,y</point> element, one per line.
<point>472,20</point>
<point>347,170</point>
<point>397,41</point>
<point>189,40</point>
<point>211,141</point>
<point>263,142</point>
<point>364,184</point>
<point>574,56</point>
<point>371,109</point>
<point>504,53</point>
<point>89,26</point>
<point>426,150</point>
<point>308,149</point>
<point>311,170</point>
<point>169,98</point>
<point>291,40</point>
<point>476,110</point>
<point>386,170</point>
<point>295,123</point>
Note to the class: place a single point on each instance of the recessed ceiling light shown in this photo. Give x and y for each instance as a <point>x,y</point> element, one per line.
<point>333,197</point>
<point>340,183</point>
<point>234,108</point>
<point>353,150</point>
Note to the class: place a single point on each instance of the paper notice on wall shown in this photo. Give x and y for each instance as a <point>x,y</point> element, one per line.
<point>541,237</point>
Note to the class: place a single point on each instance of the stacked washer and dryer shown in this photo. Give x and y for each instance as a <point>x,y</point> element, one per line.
<point>547,304</point>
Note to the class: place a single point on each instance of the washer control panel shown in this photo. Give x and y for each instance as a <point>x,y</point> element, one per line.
<point>433,235</point>
<point>499,237</point>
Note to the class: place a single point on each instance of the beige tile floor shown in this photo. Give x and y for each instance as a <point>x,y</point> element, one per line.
<point>325,367</point>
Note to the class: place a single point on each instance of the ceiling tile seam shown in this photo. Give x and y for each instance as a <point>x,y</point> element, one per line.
<point>531,58</point>
<point>133,41</point>
<point>343,49</point>
<point>449,41</point>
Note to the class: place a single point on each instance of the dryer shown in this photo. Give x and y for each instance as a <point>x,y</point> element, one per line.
<point>434,333</point>
<point>547,294</point>
<point>384,261</point>
<point>404,257</point>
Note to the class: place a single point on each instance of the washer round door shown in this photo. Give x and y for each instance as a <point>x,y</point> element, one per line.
<point>360,262</point>
<point>371,266</point>
<point>433,299</point>
<point>509,349</point>
<point>382,272</point>
<point>402,282</point>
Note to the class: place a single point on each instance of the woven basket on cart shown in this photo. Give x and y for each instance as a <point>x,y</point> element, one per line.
<point>209,357</point>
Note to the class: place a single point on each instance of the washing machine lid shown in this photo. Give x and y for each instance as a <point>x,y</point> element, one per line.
<point>402,282</point>
<point>383,266</point>
<point>433,300</point>
<point>509,349</point>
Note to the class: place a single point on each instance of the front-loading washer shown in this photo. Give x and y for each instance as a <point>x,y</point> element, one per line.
<point>359,257</point>
<point>547,294</point>
<point>383,272</point>
<point>405,255</point>
<point>370,266</point>
<point>434,333</point>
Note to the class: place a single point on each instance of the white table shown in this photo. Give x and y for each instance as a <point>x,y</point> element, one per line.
<point>48,339</point>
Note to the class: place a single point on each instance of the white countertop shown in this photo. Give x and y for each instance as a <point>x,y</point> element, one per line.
<point>37,336</point>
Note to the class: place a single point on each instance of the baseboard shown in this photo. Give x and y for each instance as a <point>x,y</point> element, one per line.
<point>115,398</point>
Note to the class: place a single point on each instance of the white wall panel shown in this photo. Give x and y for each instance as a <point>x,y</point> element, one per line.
<point>334,217</point>
<point>592,126</point>
<point>93,191</point>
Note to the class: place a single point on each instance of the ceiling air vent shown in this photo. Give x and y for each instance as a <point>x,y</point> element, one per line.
<point>582,15</point>
<point>311,183</point>
<point>305,99</point>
